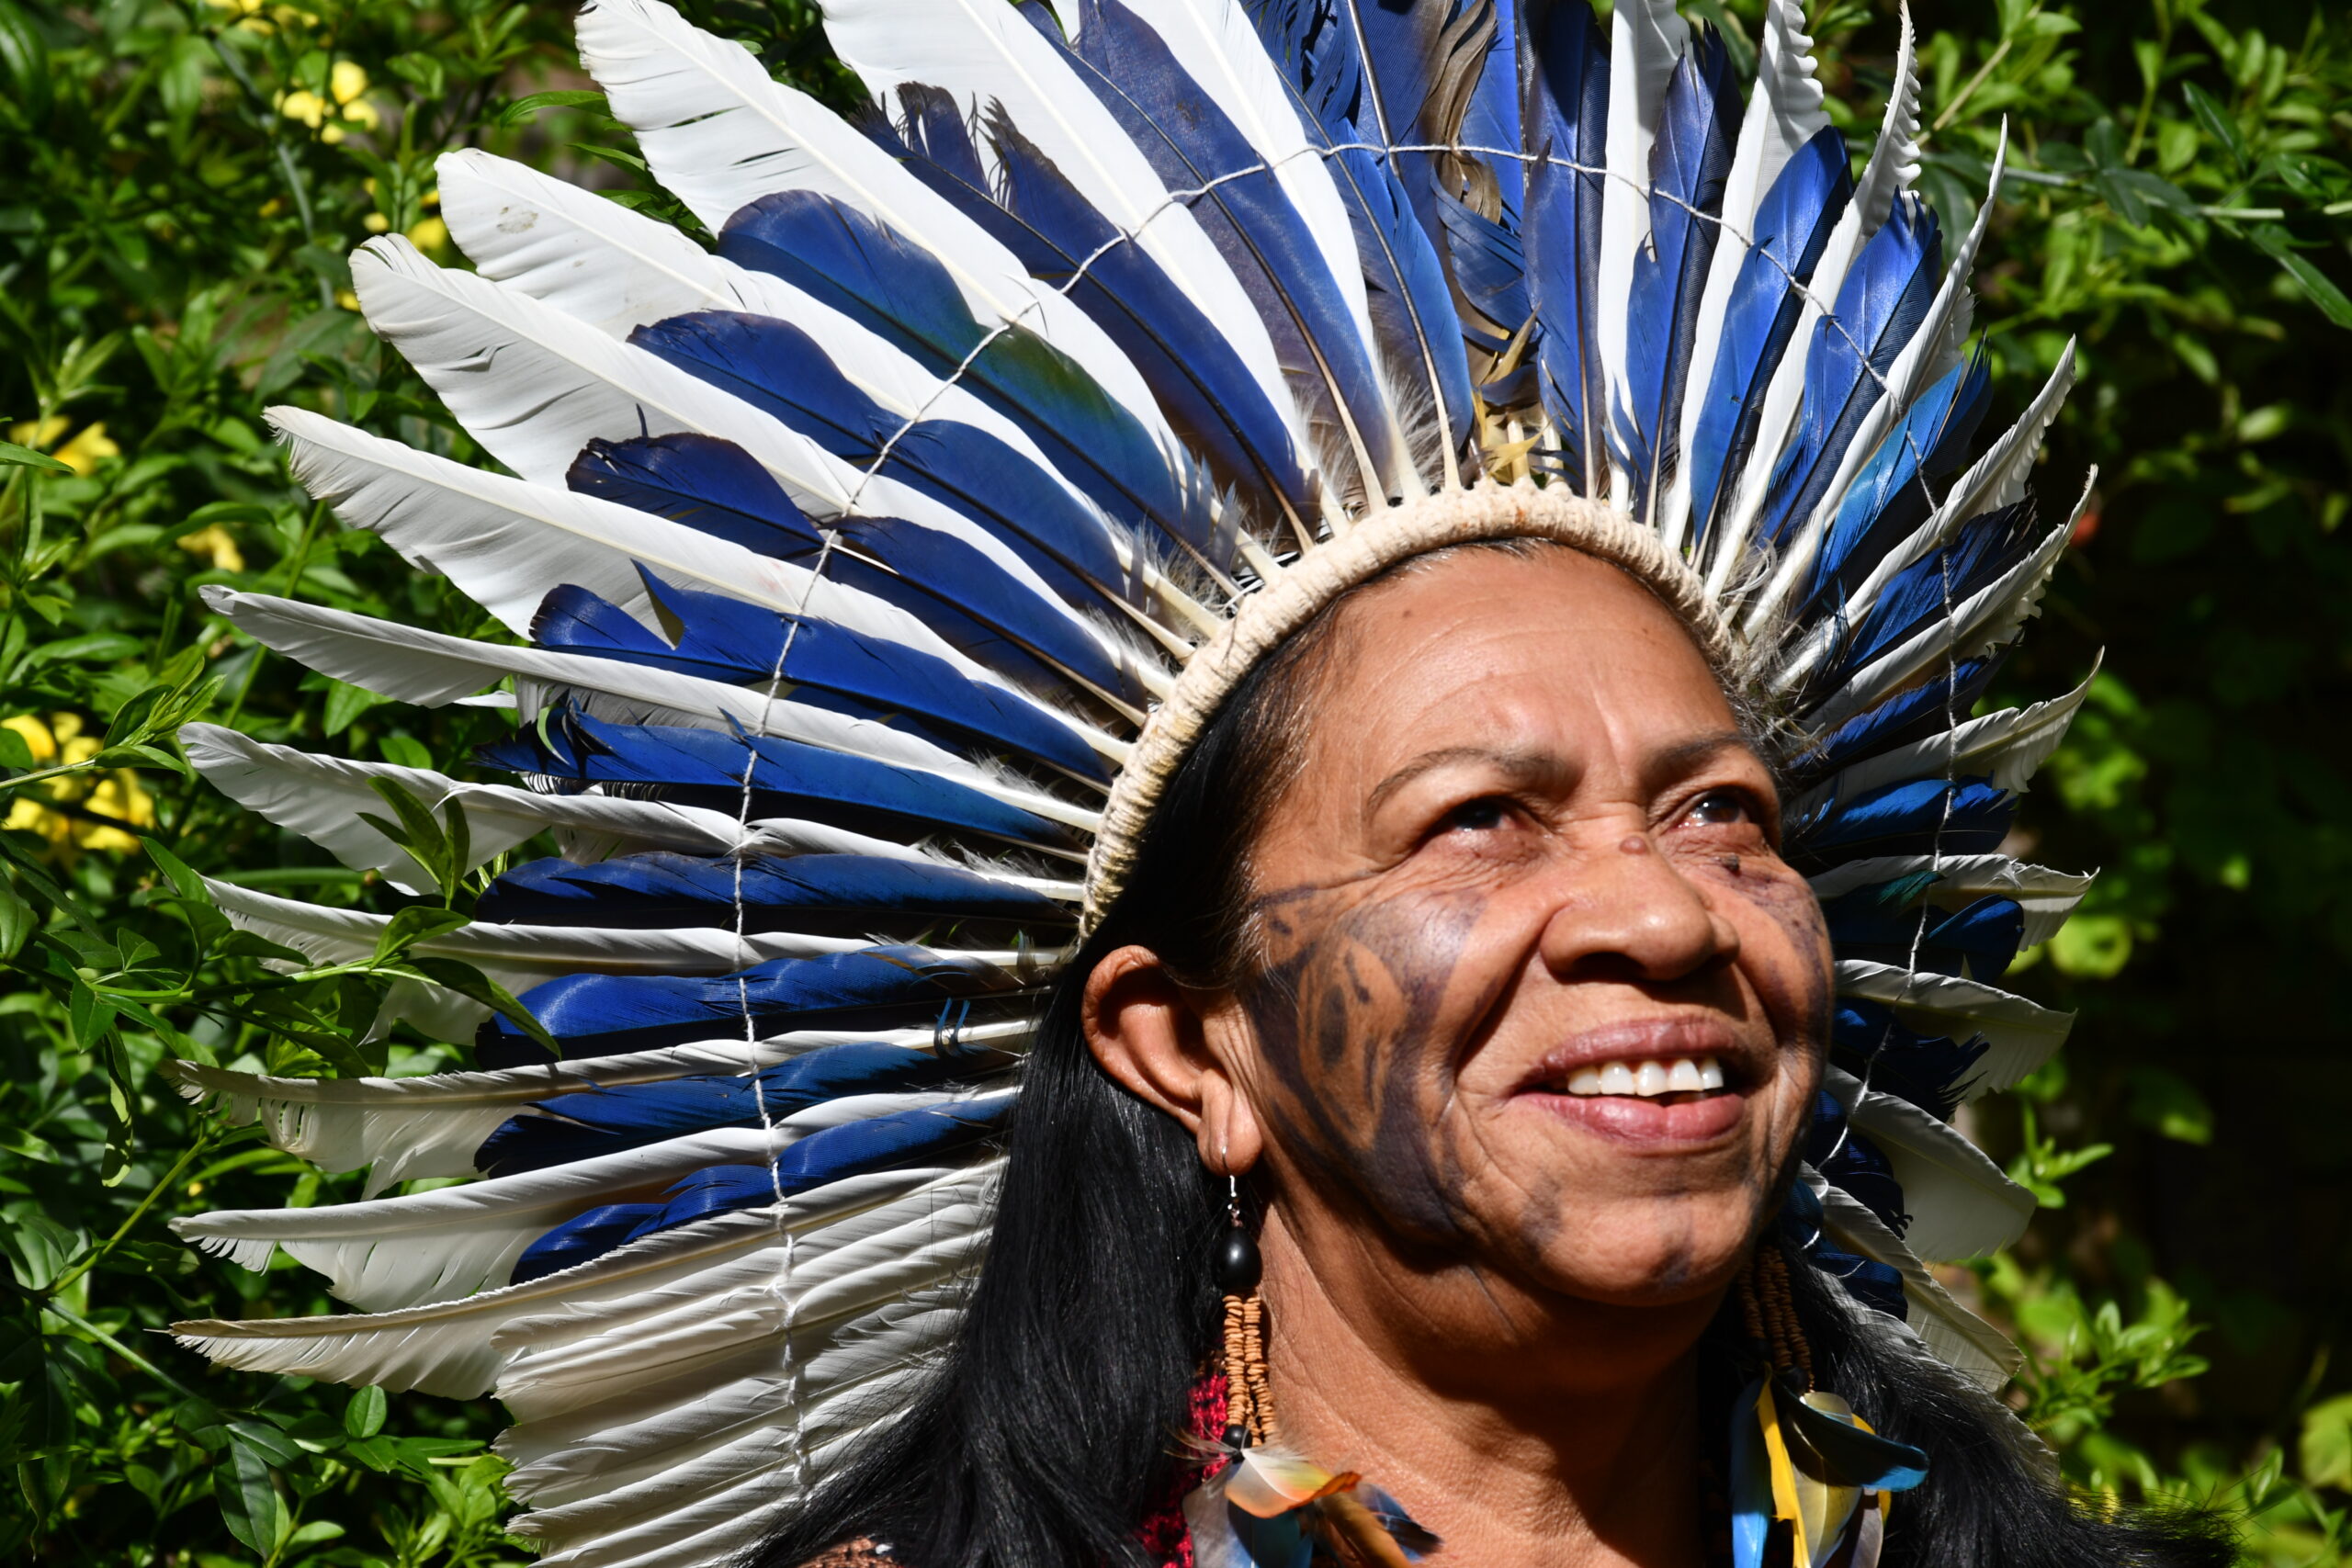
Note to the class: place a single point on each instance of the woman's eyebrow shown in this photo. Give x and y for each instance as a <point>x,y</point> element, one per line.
<point>1674,761</point>
<point>1518,766</point>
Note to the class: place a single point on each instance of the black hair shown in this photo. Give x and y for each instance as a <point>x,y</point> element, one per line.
<point>1053,1423</point>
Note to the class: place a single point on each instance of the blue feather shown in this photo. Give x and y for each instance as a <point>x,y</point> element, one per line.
<point>1978,942</point>
<point>726,639</point>
<point>1853,1163</point>
<point>665,892</point>
<point>1985,547</point>
<point>1875,1285</point>
<point>1406,292</point>
<point>1889,497</point>
<point>1490,265</point>
<point>1564,87</point>
<point>905,295</point>
<point>1751,1481</point>
<point>1910,716</point>
<point>1930,1071</point>
<point>1689,164</point>
<point>1792,224</point>
<point>705,767</point>
<point>969,600</point>
<point>1193,145</point>
<point>1969,816</point>
<point>1208,395</point>
<point>1881,304</point>
<point>604,1015</point>
<point>776,366</point>
<point>1493,118</point>
<point>610,1120</point>
<point>855,1148</point>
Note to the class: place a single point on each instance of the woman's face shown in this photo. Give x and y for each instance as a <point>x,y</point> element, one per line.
<point>1537,991</point>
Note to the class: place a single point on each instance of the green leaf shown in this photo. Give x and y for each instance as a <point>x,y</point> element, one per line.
<point>88,1016</point>
<point>2218,124</point>
<point>468,981</point>
<point>418,922</point>
<point>249,1505</point>
<point>26,457</point>
<point>345,703</point>
<point>16,752</point>
<point>363,1416</point>
<point>2276,243</point>
<point>18,920</point>
<point>522,109</point>
<point>2324,1452</point>
<point>183,880</point>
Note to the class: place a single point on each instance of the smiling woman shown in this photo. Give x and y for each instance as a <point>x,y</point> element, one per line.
<point>1462,964</point>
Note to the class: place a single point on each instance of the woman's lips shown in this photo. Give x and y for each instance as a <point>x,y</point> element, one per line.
<point>1696,1118</point>
<point>1663,1082</point>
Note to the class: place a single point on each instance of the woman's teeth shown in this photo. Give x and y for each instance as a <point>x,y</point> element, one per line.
<point>1684,1075</point>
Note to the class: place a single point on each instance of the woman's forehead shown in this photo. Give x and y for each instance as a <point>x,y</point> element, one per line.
<point>1546,652</point>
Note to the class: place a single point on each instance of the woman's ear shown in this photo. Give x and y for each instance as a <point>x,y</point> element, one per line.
<point>1153,1037</point>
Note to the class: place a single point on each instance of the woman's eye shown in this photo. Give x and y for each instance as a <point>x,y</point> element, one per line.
<point>1475,817</point>
<point>1722,808</point>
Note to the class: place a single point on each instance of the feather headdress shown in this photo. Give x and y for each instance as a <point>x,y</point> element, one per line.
<point>874,567</point>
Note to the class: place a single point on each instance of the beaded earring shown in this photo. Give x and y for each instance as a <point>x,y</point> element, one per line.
<point>1248,1396</point>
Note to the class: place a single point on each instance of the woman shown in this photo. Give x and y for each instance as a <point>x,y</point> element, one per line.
<point>1226,598</point>
<point>1487,828</point>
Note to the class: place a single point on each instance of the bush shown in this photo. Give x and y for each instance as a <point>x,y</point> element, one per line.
<point>188,179</point>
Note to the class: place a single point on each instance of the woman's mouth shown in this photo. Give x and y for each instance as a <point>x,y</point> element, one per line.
<point>1650,1081</point>
<point>1656,1083</point>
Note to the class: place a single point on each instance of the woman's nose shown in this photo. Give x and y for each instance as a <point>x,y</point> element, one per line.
<point>1629,911</point>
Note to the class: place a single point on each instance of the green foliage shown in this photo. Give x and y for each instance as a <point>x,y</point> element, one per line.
<point>185,180</point>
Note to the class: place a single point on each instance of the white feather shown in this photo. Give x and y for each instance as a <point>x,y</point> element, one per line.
<point>985,52</point>
<point>433,669</point>
<point>507,541</point>
<point>1995,481</point>
<point>1783,114</point>
<point>449,1348</point>
<point>1916,368</point>
<point>2021,1034</point>
<point>2046,896</point>
<point>520,958</point>
<point>321,799</point>
<point>1959,1202</point>
<point>721,134</point>
<point>1648,37</point>
<point>381,1254</point>
<point>1988,618</point>
<point>1893,164</point>
<point>1960,1339</point>
<point>405,1128</point>
<point>2008,748</point>
<point>534,386</point>
<point>1219,48</point>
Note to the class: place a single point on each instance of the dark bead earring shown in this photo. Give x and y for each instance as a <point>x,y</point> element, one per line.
<point>1248,1399</point>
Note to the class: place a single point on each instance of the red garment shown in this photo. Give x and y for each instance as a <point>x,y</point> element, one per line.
<point>1166,1539</point>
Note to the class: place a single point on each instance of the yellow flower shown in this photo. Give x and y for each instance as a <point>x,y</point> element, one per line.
<point>215,541</point>
<point>38,739</point>
<point>375,224</point>
<point>346,81</point>
<point>302,106</point>
<point>81,454</point>
<point>429,234</point>
<point>346,299</point>
<point>116,796</point>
